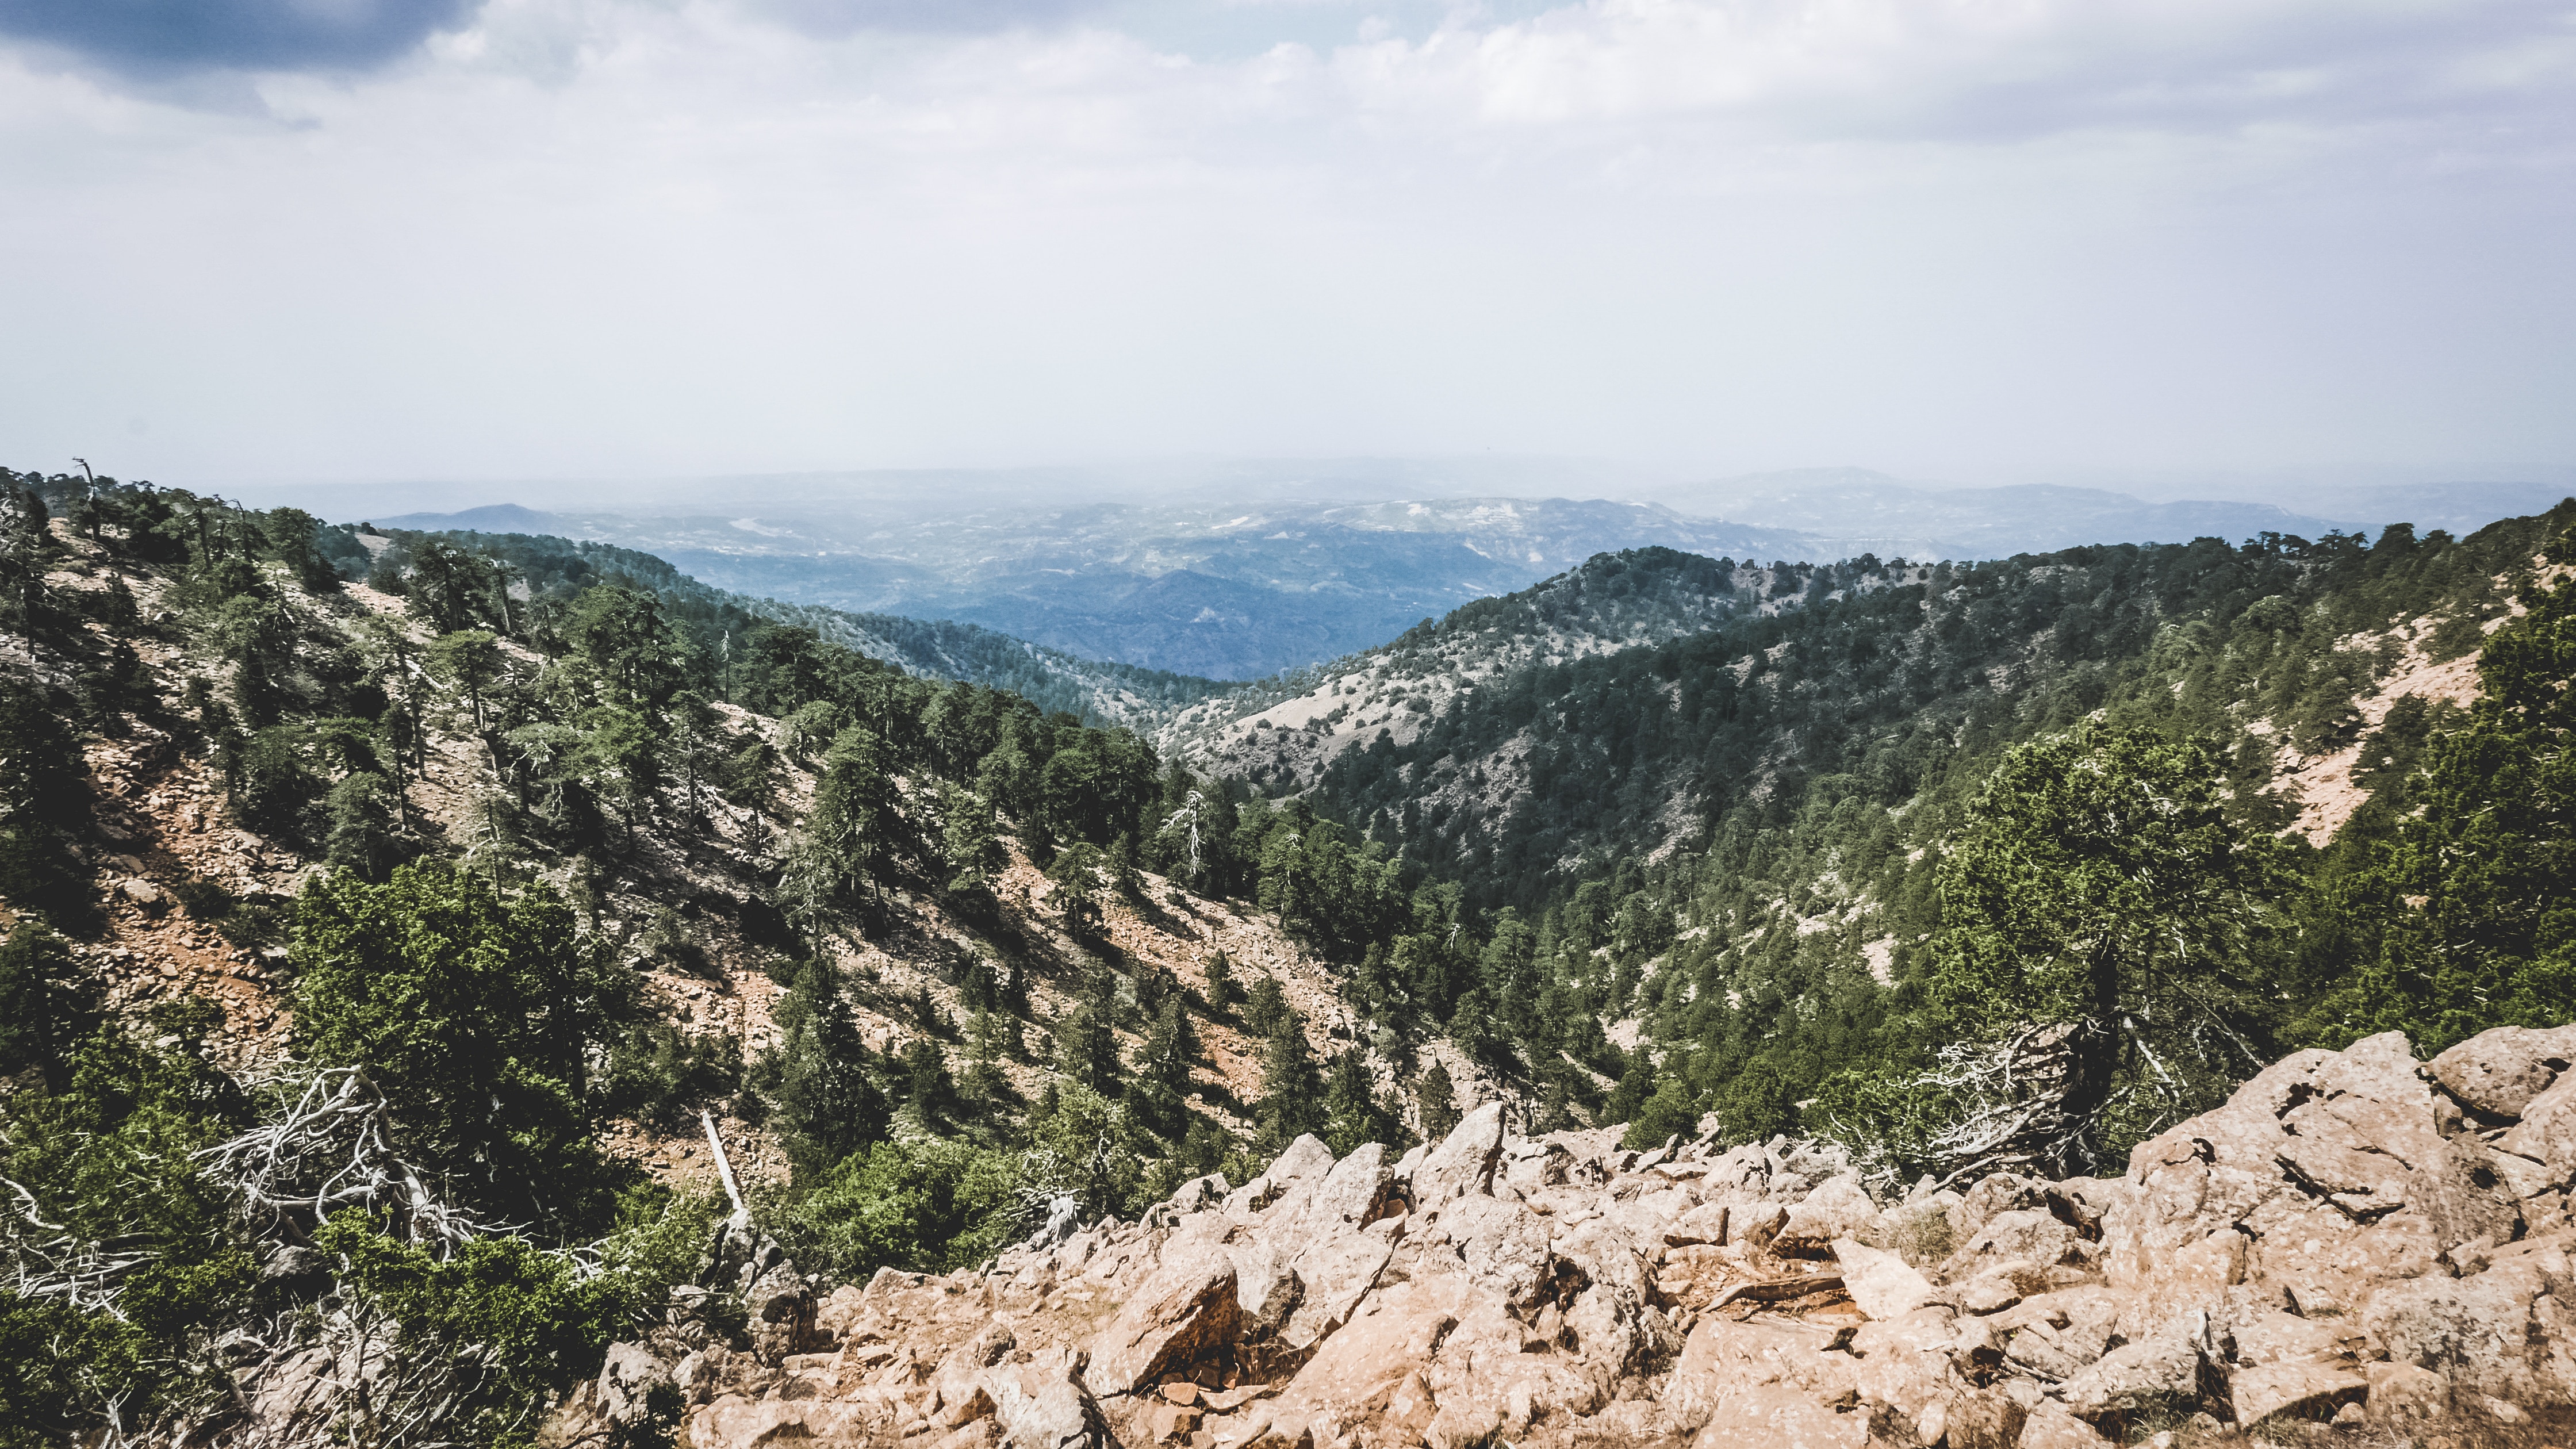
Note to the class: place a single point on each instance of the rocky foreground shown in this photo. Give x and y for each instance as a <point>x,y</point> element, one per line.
<point>2356,1248</point>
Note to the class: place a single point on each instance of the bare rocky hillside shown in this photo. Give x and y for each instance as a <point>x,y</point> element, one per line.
<point>2357,1249</point>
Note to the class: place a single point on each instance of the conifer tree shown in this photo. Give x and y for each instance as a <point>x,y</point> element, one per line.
<point>829,1104</point>
<point>1436,1098</point>
<point>1291,1094</point>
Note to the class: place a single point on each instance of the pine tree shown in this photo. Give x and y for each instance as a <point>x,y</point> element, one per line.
<point>1220,984</point>
<point>829,1104</point>
<point>1437,1100</point>
<point>1291,1094</point>
<point>1087,1041</point>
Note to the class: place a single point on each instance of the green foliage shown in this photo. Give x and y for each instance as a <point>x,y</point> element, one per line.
<point>1218,984</point>
<point>1292,1097</point>
<point>662,1076</point>
<point>1086,1039</point>
<point>48,1003</point>
<point>43,802</point>
<point>469,1011</point>
<point>2098,888</point>
<point>1661,1117</point>
<point>2465,917</point>
<point>1436,1099</point>
<point>1353,1111</point>
<point>108,1162</point>
<point>540,1327</point>
<point>926,1205</point>
<point>820,1075</point>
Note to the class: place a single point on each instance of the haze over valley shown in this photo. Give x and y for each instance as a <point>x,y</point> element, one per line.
<point>1287,724</point>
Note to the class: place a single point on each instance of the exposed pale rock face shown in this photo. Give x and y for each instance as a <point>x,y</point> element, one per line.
<point>2352,1234</point>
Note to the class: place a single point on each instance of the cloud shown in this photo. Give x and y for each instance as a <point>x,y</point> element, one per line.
<point>928,17</point>
<point>1941,237</point>
<point>162,36</point>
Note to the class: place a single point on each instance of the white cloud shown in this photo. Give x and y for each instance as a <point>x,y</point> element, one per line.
<point>590,236</point>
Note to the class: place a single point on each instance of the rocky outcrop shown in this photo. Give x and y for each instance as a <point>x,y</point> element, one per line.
<point>2353,1237</point>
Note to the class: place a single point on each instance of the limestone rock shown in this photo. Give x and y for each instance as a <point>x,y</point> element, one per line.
<point>1880,1283</point>
<point>1184,1312</point>
<point>1840,1208</point>
<point>2496,1074</point>
<point>2163,1378</point>
<point>2306,1390</point>
<point>1464,1162</point>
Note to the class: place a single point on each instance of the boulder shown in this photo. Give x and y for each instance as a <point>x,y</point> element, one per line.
<point>1184,1312</point>
<point>1355,1192</point>
<point>1778,1416</point>
<point>781,1313</point>
<point>1703,1224</point>
<point>1838,1208</point>
<point>1880,1283</point>
<point>2162,1378</point>
<point>1722,1356</point>
<point>2496,1074</point>
<point>1464,1162</point>
<point>630,1379</point>
<point>1334,1274</point>
<point>2306,1390</point>
<point>2403,1392</point>
<point>1266,1287</point>
<point>1194,1196</point>
<point>1043,1404</point>
<point>1504,1247</point>
<point>2050,1426</point>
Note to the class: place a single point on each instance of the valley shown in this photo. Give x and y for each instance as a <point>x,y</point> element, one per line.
<point>1000,978</point>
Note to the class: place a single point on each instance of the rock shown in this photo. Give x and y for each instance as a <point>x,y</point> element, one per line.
<point>1199,1194</point>
<point>2050,1426</point>
<point>1266,1287</point>
<point>1721,1356</point>
<point>781,1310</point>
<point>145,896</point>
<point>1504,1247</point>
<point>2164,1377</point>
<point>959,1381</point>
<point>2306,1390</point>
<point>1880,1283</point>
<point>1777,1416</point>
<point>1755,1226</point>
<point>1986,1421</point>
<point>1183,1313</point>
<point>1354,1193</point>
<point>1464,1162</point>
<point>1369,1371</point>
<point>630,1379</point>
<point>2403,1391</point>
<point>1043,1404</point>
<point>1991,1294</point>
<point>1703,1224</point>
<point>1333,1274</point>
<point>2496,1074</point>
<point>1839,1208</point>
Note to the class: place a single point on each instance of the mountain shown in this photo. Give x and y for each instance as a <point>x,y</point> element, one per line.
<point>933,649</point>
<point>502,988</point>
<point>1845,512</point>
<point>1237,590</point>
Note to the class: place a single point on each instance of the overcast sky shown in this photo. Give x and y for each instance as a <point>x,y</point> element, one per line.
<point>1980,240</point>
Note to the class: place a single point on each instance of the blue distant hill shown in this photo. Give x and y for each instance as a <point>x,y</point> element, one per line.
<point>490,518</point>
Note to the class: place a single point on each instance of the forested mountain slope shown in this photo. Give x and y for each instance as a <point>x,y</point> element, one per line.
<point>372,948</point>
<point>1285,730</point>
<point>1798,858</point>
<point>1897,675</point>
<point>371,953</point>
<point>1097,692</point>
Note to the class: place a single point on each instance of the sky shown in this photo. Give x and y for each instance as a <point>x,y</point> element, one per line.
<point>1973,240</point>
